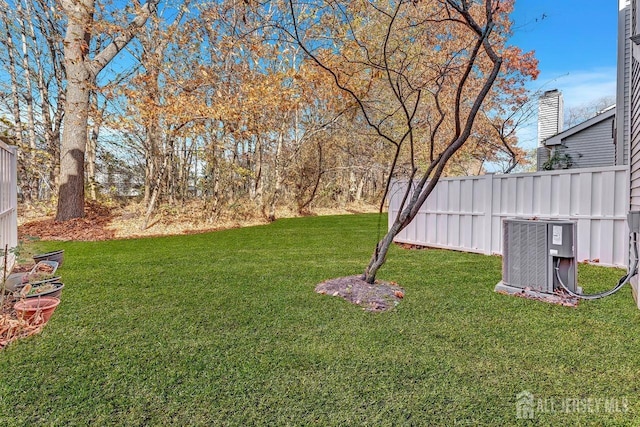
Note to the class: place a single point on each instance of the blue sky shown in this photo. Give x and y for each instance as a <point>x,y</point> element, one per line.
<point>576,45</point>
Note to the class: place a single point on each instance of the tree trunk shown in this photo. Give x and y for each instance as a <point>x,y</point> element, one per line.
<point>81,73</point>
<point>91,162</point>
<point>74,135</point>
<point>380,254</point>
<point>155,194</point>
<point>92,148</point>
<point>303,206</point>
<point>259,181</point>
<point>170,181</point>
<point>28,93</point>
<point>277,180</point>
<point>51,139</point>
<point>152,159</point>
<point>155,169</point>
<point>409,209</point>
<point>214,181</point>
<point>360,188</point>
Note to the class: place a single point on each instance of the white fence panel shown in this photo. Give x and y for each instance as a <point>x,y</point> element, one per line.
<point>466,213</point>
<point>8,201</point>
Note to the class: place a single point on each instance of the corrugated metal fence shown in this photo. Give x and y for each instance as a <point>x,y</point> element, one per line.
<point>8,201</point>
<point>466,213</point>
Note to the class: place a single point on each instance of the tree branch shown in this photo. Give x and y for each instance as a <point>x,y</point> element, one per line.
<point>119,42</point>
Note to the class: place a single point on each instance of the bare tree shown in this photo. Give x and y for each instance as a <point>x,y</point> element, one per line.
<point>580,113</point>
<point>30,55</point>
<point>500,147</point>
<point>436,60</point>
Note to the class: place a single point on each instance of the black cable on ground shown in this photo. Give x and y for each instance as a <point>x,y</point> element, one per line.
<point>623,280</point>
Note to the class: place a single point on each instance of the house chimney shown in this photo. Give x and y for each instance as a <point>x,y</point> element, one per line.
<point>550,115</point>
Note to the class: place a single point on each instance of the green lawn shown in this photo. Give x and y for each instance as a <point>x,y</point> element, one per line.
<point>225,329</point>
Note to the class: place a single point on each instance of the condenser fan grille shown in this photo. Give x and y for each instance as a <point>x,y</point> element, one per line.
<point>525,255</point>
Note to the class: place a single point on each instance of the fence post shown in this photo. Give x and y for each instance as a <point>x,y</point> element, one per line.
<point>488,212</point>
<point>13,188</point>
<point>8,203</point>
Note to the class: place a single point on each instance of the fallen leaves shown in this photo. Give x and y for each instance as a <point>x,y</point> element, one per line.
<point>94,226</point>
<point>411,246</point>
<point>558,298</point>
<point>13,328</point>
<point>106,223</point>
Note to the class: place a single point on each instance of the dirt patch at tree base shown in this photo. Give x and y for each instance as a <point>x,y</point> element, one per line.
<point>380,296</point>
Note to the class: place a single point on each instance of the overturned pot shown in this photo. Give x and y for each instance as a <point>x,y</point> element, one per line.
<point>14,282</point>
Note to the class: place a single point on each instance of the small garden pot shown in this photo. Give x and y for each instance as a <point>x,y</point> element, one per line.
<point>36,311</point>
<point>44,267</point>
<point>42,272</point>
<point>38,288</point>
<point>55,279</point>
<point>47,289</point>
<point>57,256</point>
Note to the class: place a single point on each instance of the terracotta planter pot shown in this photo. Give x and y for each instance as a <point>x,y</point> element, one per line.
<point>36,310</point>
<point>57,256</point>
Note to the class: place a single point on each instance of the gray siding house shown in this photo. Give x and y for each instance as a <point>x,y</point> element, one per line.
<point>628,103</point>
<point>629,89</point>
<point>587,145</point>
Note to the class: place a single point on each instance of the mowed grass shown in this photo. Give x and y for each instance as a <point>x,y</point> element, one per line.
<point>225,329</point>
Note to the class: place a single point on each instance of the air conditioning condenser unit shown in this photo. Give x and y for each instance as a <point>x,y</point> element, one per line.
<point>535,253</point>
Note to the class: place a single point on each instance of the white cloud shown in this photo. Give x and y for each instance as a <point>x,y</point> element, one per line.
<point>581,87</point>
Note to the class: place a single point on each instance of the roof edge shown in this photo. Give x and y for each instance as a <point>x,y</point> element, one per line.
<point>557,138</point>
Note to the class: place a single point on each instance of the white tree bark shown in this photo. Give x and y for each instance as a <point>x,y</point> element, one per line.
<point>81,75</point>
<point>15,91</point>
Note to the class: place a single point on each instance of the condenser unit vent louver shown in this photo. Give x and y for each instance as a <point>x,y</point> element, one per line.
<point>525,262</point>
